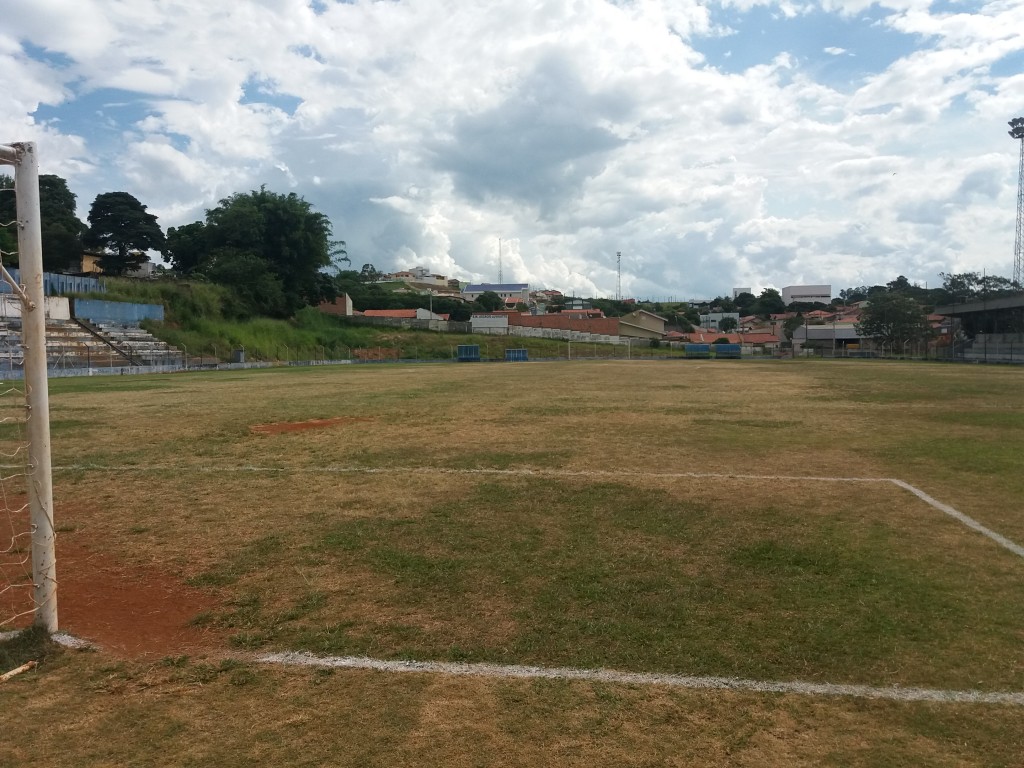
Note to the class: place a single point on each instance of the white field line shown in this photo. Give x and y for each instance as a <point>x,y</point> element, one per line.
<point>691,682</point>
<point>524,472</point>
<point>969,522</point>
<point>513,671</point>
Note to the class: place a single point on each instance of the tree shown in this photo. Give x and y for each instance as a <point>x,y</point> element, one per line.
<point>723,304</point>
<point>369,274</point>
<point>966,286</point>
<point>893,318</point>
<point>744,301</point>
<point>283,232</point>
<point>122,227</point>
<point>8,215</point>
<point>187,249</point>
<point>254,285</point>
<point>853,295</point>
<point>489,301</point>
<point>62,231</point>
<point>900,285</point>
<point>790,324</point>
<point>337,253</point>
<point>59,225</point>
<point>768,303</point>
<point>727,324</point>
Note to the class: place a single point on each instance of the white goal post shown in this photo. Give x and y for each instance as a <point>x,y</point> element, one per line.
<point>22,156</point>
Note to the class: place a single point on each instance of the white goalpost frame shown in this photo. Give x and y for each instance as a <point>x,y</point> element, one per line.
<point>23,157</point>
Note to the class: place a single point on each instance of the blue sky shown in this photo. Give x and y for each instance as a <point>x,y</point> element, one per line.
<point>722,144</point>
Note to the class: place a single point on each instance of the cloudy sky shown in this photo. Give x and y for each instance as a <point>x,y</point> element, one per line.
<point>717,144</point>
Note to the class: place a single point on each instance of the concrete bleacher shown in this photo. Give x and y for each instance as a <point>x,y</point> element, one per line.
<point>129,344</point>
<point>71,344</point>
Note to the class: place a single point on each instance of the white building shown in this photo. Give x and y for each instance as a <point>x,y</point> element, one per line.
<point>517,291</point>
<point>714,319</point>
<point>807,293</point>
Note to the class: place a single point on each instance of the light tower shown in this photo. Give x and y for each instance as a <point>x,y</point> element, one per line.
<point>618,272</point>
<point>1017,132</point>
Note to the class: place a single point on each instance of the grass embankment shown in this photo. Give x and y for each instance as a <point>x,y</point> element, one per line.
<point>195,322</point>
<point>591,553</point>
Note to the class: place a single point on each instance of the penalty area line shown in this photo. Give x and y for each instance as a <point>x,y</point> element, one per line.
<point>946,509</point>
<point>970,522</point>
<point>690,682</point>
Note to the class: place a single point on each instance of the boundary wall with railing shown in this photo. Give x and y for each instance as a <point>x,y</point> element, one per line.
<point>57,284</point>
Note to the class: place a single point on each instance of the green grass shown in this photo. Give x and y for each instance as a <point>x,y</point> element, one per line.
<point>640,568</point>
<point>615,575</point>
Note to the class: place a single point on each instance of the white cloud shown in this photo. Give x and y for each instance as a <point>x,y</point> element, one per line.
<point>572,128</point>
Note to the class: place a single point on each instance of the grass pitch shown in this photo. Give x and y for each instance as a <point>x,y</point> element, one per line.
<point>453,518</point>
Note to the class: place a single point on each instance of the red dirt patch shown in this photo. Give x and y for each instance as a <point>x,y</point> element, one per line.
<point>298,426</point>
<point>130,611</point>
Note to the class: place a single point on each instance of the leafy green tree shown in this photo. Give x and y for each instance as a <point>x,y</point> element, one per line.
<point>8,228</point>
<point>59,225</point>
<point>283,232</point>
<point>900,285</point>
<point>723,304</point>
<point>122,227</point>
<point>893,318</point>
<point>557,304</point>
<point>768,303</point>
<point>61,229</point>
<point>727,324</point>
<point>967,286</point>
<point>338,254</point>
<point>369,274</point>
<point>254,284</point>
<point>853,295</point>
<point>610,307</point>
<point>187,249</point>
<point>743,302</point>
<point>790,324</point>
<point>490,301</point>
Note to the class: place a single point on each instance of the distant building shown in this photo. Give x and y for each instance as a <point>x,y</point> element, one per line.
<point>737,291</point>
<point>714,320</point>
<point>340,306</point>
<point>518,291</point>
<point>420,275</point>
<point>403,314</point>
<point>642,324</point>
<point>572,302</point>
<point>806,294</point>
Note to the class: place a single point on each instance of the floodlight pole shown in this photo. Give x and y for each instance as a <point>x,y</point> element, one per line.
<point>37,398</point>
<point>1017,132</point>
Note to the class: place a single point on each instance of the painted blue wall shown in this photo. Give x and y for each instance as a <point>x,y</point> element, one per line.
<point>119,312</point>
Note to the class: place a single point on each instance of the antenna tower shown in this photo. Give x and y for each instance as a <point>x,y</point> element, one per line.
<point>1017,132</point>
<point>618,275</point>
<point>501,274</point>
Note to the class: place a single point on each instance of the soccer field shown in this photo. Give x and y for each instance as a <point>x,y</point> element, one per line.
<point>673,562</point>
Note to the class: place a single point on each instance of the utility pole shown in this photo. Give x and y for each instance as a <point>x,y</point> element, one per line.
<point>618,272</point>
<point>1017,132</point>
<point>501,274</point>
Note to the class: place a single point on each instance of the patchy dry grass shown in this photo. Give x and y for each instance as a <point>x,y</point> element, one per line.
<point>834,582</point>
<point>91,711</point>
